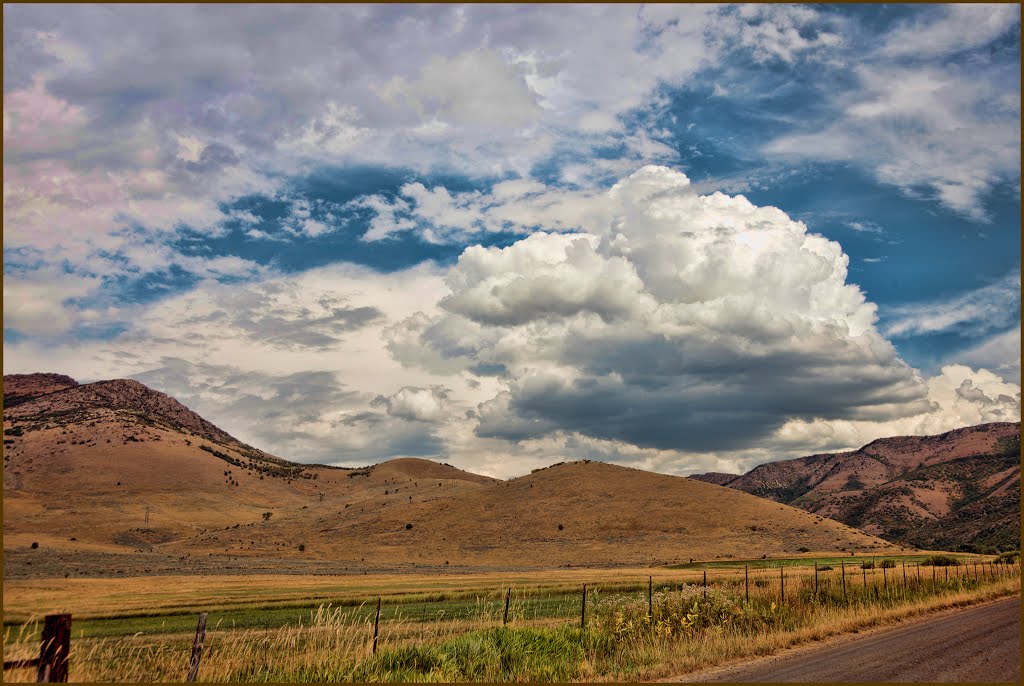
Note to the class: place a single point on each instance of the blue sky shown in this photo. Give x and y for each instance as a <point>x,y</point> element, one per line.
<point>680,237</point>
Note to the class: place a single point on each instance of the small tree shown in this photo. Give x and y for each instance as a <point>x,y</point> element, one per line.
<point>267,515</point>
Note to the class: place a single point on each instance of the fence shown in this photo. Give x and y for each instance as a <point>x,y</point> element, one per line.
<point>862,581</point>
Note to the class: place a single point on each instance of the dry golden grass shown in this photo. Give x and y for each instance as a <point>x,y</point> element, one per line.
<point>116,597</point>
<point>335,642</point>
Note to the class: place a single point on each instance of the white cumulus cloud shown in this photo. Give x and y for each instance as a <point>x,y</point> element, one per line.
<point>683,322</point>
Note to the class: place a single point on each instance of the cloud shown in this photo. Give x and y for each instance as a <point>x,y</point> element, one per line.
<point>999,353</point>
<point>974,313</point>
<point>947,128</point>
<point>958,396</point>
<point>476,87</point>
<point>312,414</point>
<point>292,364</point>
<point>679,332</point>
<point>418,404</point>
<point>116,139</point>
<point>783,32</point>
<point>950,28</point>
<point>38,304</point>
<point>688,322</point>
<point>439,216</point>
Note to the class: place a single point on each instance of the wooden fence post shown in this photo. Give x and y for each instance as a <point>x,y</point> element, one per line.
<point>583,609</point>
<point>842,567</point>
<point>508,596</point>
<point>376,625</point>
<point>885,580</point>
<point>864,571</point>
<point>705,584</point>
<point>746,582</point>
<point>815,580</point>
<point>197,648</point>
<point>904,574</point>
<point>55,650</point>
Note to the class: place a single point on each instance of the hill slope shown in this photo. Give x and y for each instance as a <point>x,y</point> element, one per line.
<point>85,462</point>
<point>115,468</point>
<point>960,488</point>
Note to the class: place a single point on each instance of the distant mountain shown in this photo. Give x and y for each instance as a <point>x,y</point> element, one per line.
<point>115,475</point>
<point>717,478</point>
<point>19,388</point>
<point>960,489</point>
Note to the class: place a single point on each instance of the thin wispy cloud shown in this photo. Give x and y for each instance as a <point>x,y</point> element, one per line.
<point>980,311</point>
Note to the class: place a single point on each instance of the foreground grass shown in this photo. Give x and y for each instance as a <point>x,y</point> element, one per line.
<point>689,631</point>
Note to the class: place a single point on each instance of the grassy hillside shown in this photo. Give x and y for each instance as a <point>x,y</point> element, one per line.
<point>114,476</point>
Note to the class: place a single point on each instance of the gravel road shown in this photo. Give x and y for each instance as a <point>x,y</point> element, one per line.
<point>979,644</point>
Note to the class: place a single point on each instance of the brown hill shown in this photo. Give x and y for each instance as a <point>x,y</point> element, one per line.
<point>105,471</point>
<point>957,489</point>
<point>83,464</point>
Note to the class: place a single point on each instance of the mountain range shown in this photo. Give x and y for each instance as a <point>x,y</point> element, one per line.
<point>955,491</point>
<point>116,478</point>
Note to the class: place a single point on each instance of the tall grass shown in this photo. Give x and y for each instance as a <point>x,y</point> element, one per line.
<point>685,627</point>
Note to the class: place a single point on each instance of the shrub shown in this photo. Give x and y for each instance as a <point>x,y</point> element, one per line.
<point>560,527</point>
<point>888,564</point>
<point>803,549</point>
<point>35,545</point>
<point>302,547</point>
<point>408,526</point>
<point>867,564</point>
<point>941,561</point>
<point>674,613</point>
<point>824,568</point>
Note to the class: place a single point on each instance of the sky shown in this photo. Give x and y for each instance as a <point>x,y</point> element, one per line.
<point>682,238</point>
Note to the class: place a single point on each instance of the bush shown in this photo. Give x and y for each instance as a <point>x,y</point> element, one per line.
<point>34,545</point>
<point>825,568</point>
<point>302,547</point>
<point>941,561</point>
<point>803,549</point>
<point>674,613</point>
<point>867,564</point>
<point>1008,558</point>
<point>888,564</point>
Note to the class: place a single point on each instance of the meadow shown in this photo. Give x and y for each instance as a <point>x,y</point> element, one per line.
<point>639,623</point>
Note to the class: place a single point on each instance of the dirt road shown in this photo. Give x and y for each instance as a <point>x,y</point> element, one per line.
<point>979,644</point>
